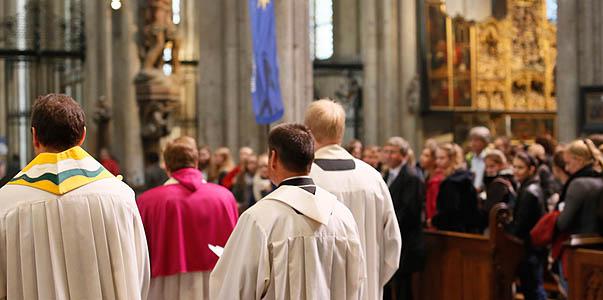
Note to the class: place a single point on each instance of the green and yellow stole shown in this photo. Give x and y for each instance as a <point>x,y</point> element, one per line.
<point>60,173</point>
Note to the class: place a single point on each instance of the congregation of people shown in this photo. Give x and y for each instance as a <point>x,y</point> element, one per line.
<point>309,219</point>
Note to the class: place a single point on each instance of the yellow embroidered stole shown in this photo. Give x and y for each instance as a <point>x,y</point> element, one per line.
<point>60,173</point>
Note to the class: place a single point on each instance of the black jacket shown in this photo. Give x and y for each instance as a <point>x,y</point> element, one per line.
<point>583,196</point>
<point>457,204</point>
<point>499,189</point>
<point>529,207</point>
<point>408,196</point>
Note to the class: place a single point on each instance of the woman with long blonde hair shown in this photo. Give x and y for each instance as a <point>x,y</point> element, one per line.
<point>221,164</point>
<point>457,199</point>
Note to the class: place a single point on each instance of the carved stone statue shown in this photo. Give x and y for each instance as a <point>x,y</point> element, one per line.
<point>157,94</point>
<point>413,94</point>
<point>158,32</point>
<point>102,117</point>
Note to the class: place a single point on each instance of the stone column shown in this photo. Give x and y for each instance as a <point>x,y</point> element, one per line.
<point>128,143</point>
<point>231,68</point>
<point>189,52</point>
<point>3,100</point>
<point>293,42</point>
<point>346,29</point>
<point>408,112</point>
<point>369,38</point>
<point>579,59</point>
<point>211,115</point>
<point>97,66</point>
<point>567,69</point>
<point>250,133</point>
<point>389,53</point>
<point>224,108</point>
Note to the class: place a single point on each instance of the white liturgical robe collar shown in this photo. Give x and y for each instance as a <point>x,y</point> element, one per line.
<point>318,207</point>
<point>332,152</point>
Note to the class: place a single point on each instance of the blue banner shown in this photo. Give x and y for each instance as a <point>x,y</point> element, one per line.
<point>265,87</point>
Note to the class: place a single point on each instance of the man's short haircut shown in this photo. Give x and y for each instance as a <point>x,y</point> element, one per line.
<point>294,145</point>
<point>401,143</point>
<point>480,132</point>
<point>326,120</point>
<point>59,121</point>
<point>181,153</point>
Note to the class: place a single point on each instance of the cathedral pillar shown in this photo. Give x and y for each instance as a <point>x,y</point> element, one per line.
<point>97,68</point>
<point>568,63</point>
<point>224,108</point>
<point>293,42</point>
<point>579,59</point>
<point>409,108</point>
<point>127,142</point>
<point>389,52</point>
<point>211,114</point>
<point>3,100</point>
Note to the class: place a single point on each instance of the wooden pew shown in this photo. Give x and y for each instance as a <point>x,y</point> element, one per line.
<point>463,266</point>
<point>585,267</point>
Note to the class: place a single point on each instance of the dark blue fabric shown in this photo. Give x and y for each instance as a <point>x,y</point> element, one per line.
<point>265,87</point>
<point>530,275</point>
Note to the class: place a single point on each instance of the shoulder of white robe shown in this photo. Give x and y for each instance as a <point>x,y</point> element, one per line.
<point>318,207</point>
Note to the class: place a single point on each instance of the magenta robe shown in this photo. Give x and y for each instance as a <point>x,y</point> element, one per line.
<point>182,218</point>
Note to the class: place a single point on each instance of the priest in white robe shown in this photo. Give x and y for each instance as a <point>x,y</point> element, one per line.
<point>299,242</point>
<point>361,188</point>
<point>69,229</point>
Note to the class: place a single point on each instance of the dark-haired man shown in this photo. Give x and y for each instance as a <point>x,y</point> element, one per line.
<point>69,229</point>
<point>299,242</point>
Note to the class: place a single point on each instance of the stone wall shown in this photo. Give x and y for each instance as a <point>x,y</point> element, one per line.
<point>579,60</point>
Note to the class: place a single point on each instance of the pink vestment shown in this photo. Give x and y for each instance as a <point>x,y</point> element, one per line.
<point>182,218</point>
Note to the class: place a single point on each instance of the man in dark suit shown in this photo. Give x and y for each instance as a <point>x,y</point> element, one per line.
<point>408,195</point>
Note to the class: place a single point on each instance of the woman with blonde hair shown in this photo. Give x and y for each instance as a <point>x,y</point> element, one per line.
<point>433,177</point>
<point>580,196</point>
<point>221,164</point>
<point>498,179</point>
<point>457,199</point>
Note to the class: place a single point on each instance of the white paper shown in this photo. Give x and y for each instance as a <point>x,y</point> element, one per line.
<point>216,249</point>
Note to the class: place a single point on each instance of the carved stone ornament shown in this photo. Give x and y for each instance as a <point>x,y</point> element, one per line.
<point>158,32</point>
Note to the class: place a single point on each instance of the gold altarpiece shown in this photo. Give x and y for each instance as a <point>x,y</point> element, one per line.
<point>503,67</point>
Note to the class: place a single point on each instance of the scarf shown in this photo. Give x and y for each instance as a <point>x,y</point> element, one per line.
<point>60,173</point>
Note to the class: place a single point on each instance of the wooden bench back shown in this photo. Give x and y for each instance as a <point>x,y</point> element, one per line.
<point>463,266</point>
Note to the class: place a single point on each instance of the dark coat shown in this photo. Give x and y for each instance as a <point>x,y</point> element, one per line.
<point>499,189</point>
<point>582,200</point>
<point>529,208</point>
<point>457,205</point>
<point>408,196</point>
